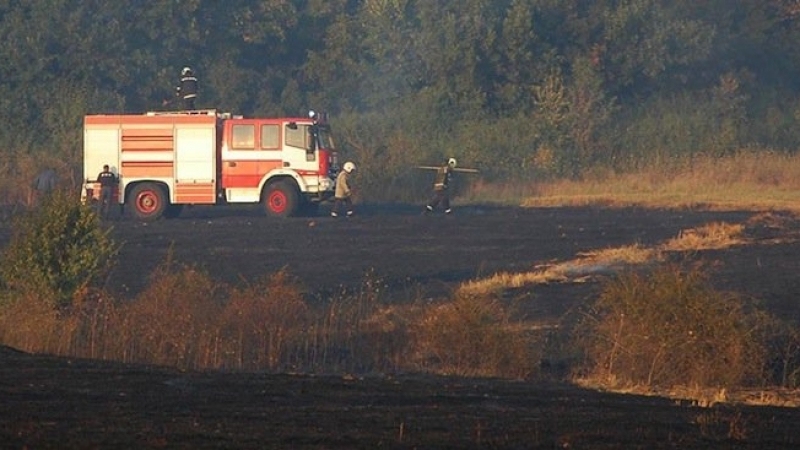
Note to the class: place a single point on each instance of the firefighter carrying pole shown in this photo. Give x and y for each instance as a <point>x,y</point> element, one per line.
<point>441,184</point>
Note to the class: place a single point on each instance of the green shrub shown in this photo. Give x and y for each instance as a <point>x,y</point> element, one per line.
<point>669,327</point>
<point>57,252</point>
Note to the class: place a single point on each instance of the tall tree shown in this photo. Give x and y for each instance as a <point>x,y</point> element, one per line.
<point>455,45</point>
<point>522,59</point>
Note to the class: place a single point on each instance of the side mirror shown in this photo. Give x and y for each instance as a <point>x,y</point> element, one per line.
<point>292,125</point>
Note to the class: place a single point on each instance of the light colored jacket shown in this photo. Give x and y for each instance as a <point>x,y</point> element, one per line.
<point>342,187</point>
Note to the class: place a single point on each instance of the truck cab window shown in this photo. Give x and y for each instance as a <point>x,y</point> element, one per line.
<point>326,139</point>
<point>270,137</point>
<point>297,137</point>
<point>244,137</point>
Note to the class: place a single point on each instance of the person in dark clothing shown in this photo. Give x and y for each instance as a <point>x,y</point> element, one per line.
<point>44,184</point>
<point>108,181</point>
<point>187,89</point>
<point>441,184</point>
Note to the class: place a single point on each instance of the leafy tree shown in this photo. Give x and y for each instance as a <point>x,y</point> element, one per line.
<point>641,41</point>
<point>591,110</point>
<point>421,75</point>
<point>391,56</point>
<point>337,85</point>
<point>57,252</point>
<point>521,61</point>
<point>456,41</point>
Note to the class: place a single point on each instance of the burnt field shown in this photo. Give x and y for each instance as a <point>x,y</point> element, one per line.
<point>395,243</point>
<point>65,403</point>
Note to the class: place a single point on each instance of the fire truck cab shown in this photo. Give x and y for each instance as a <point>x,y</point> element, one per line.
<point>165,160</point>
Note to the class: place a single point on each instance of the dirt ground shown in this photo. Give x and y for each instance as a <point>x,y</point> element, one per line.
<point>48,402</point>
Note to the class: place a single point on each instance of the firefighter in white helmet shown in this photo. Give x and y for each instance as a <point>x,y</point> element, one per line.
<point>342,195</point>
<point>187,88</point>
<point>441,185</point>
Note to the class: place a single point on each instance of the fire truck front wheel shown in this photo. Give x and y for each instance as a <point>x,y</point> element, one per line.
<point>281,199</point>
<point>148,201</point>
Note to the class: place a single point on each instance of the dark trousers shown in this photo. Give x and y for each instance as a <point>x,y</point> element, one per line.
<point>440,197</point>
<point>188,103</point>
<point>106,194</point>
<point>346,202</point>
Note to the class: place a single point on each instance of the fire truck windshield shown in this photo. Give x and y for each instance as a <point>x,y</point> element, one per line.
<point>325,138</point>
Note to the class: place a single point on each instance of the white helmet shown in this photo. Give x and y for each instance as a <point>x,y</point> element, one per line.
<point>452,162</point>
<point>349,167</point>
<point>186,71</point>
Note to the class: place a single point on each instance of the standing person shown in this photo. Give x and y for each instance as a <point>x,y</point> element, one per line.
<point>187,89</point>
<point>441,184</point>
<point>343,191</point>
<point>108,181</point>
<point>44,184</point>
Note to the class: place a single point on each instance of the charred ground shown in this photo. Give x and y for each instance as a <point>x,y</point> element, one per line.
<point>61,403</point>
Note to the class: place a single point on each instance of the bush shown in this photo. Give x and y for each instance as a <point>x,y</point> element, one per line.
<point>669,327</point>
<point>187,320</point>
<point>56,253</point>
<point>784,349</point>
<point>173,321</point>
<point>32,325</point>
<point>473,336</point>
<point>264,325</point>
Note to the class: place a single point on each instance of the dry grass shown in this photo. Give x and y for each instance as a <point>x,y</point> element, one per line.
<point>184,319</point>
<point>762,181</point>
<point>472,336</point>
<point>703,397</point>
<point>716,235</point>
<point>749,180</point>
<point>577,270</point>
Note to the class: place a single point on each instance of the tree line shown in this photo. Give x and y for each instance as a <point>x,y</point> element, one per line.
<point>521,88</point>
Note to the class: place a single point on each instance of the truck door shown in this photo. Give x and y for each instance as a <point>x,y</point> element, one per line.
<point>195,163</point>
<point>101,145</point>
<point>251,148</point>
<point>300,152</point>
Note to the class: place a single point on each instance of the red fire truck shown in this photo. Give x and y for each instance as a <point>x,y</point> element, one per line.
<point>165,160</point>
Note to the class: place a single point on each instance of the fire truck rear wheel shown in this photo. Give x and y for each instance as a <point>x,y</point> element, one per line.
<point>147,201</point>
<point>281,199</point>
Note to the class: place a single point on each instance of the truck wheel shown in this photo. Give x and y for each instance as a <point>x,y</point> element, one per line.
<point>281,200</point>
<point>148,201</point>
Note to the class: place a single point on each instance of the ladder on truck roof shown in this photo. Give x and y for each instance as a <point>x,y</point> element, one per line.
<point>188,112</point>
<point>193,112</point>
